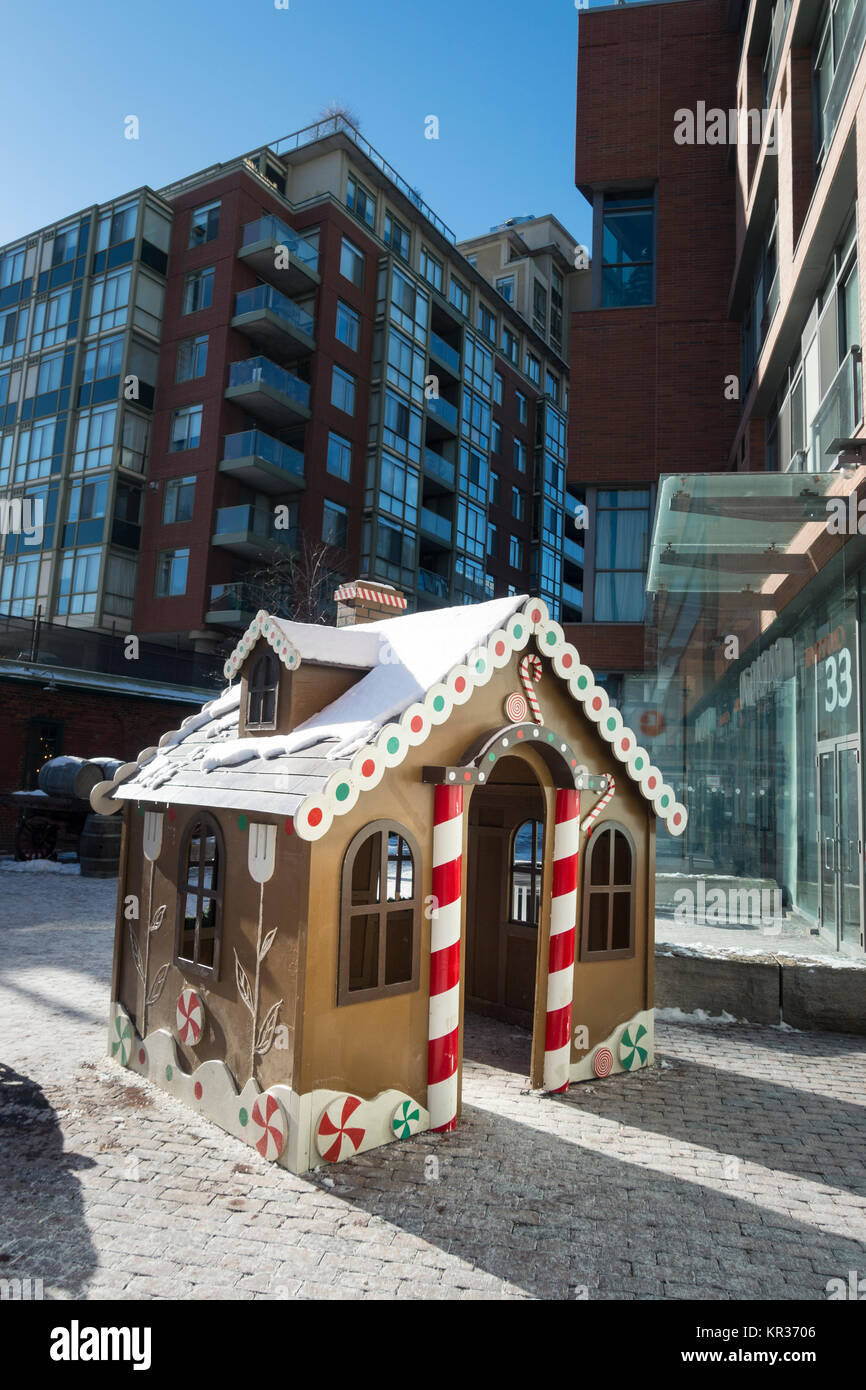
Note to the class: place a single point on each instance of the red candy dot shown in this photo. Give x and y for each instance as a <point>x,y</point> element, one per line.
<point>289,826</point>
<point>566,660</point>
<point>499,648</point>
<point>172,813</point>
<point>626,743</point>
<point>197,1091</point>
<point>368,768</point>
<point>141,1055</point>
<point>536,615</point>
<point>467,776</point>
<point>650,781</point>
<point>596,704</point>
<point>315,816</point>
<point>460,685</point>
<point>574,762</point>
<point>520,733</point>
<point>677,818</point>
<point>417,724</point>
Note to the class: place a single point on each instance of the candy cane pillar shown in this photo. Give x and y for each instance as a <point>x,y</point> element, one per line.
<point>445,957</point>
<point>563,915</point>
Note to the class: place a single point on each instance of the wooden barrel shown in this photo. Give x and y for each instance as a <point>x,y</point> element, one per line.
<point>57,776</point>
<point>91,773</point>
<point>99,846</point>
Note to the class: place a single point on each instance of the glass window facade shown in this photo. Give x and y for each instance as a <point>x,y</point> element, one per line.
<point>628,249</point>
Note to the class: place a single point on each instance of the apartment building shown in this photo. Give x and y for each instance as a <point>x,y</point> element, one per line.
<point>748,670</point>
<point>327,368</point>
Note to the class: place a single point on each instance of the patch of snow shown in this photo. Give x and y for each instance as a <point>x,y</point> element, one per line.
<point>37,866</point>
<point>697,1016</point>
<point>334,646</point>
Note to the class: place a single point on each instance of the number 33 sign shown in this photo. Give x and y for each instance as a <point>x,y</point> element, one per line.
<point>838,683</point>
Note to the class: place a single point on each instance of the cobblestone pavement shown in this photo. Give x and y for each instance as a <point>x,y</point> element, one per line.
<point>734,1168</point>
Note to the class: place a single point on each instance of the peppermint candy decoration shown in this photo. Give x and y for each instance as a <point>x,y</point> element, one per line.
<point>121,1043</point>
<point>631,1054</point>
<point>602,1062</point>
<point>190,1017</point>
<point>406,1119</point>
<point>269,1121</point>
<point>516,708</point>
<point>530,674</point>
<point>335,1137</point>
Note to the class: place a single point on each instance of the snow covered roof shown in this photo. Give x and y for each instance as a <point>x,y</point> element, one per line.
<point>419,667</point>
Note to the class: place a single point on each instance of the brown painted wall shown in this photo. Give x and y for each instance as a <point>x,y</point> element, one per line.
<point>228,1029</point>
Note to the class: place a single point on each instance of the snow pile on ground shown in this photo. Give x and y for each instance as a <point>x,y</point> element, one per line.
<point>37,866</point>
<point>701,1016</point>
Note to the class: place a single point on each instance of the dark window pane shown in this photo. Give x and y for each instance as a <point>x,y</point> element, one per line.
<point>207,932</point>
<point>364,952</point>
<point>194,858</point>
<point>621,920</point>
<point>621,858</point>
<point>187,937</point>
<point>398,947</point>
<point>400,869</point>
<point>365,872</point>
<point>597,936</point>
<point>600,857</point>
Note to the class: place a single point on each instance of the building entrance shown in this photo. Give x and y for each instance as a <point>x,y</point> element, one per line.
<point>840,842</point>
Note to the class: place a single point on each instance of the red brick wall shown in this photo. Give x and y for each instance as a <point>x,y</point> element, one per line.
<point>94,725</point>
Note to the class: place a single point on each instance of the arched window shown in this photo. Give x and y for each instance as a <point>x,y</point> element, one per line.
<point>262,689</point>
<point>527,860</point>
<point>608,894</point>
<point>200,897</point>
<point>380,914</point>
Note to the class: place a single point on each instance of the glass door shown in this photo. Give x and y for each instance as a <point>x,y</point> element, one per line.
<point>840,842</point>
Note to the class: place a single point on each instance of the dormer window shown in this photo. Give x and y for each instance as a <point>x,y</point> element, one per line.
<point>262,690</point>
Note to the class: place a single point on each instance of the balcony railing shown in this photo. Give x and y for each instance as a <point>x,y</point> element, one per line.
<point>250,520</point>
<point>336,125</point>
<point>840,412</point>
<point>846,65</point>
<point>270,228</point>
<point>436,525</point>
<point>443,410</point>
<point>262,369</point>
<point>573,551</point>
<point>447,354</point>
<point>431,583</point>
<point>257,444</point>
<point>572,597</point>
<point>265,297</point>
<point>439,467</point>
<point>242,596</point>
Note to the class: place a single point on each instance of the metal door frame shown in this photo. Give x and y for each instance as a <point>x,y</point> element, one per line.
<point>835,746</point>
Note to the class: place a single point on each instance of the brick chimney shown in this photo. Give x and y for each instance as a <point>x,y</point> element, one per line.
<point>365,601</point>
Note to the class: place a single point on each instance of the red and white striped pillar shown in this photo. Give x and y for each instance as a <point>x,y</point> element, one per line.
<point>563,917</point>
<point>445,957</point>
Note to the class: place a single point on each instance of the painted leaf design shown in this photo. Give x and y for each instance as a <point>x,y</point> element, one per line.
<point>243,984</point>
<point>136,953</point>
<point>267,944</point>
<point>266,1033</point>
<point>158,918</point>
<point>158,983</point>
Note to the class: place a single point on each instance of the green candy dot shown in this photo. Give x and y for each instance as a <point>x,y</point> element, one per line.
<point>611,724</point>
<point>342,792</point>
<point>581,682</point>
<point>551,638</point>
<point>242,822</point>
<point>479,666</point>
<point>491,757</point>
<point>550,738</point>
<point>638,762</point>
<point>518,630</point>
<point>243,1117</point>
<point>169,1073</point>
<point>665,800</point>
<point>393,744</point>
<point>439,703</point>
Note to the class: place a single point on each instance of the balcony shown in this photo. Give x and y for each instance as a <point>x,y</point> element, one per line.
<point>442,418</point>
<point>440,469</point>
<point>433,589</point>
<point>573,552</point>
<point>839,414</point>
<point>297,271</point>
<point>276,324</point>
<point>250,531</point>
<point>447,355</point>
<point>436,528</point>
<point>263,462</point>
<point>572,598</point>
<point>267,391</point>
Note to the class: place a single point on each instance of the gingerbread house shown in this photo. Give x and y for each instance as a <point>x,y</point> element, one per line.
<point>376,828</point>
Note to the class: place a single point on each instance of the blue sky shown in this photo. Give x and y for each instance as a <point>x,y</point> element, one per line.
<point>209,79</point>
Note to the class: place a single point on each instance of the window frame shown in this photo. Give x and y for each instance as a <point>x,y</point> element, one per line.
<point>184,964</point>
<point>609,889</point>
<point>381,909</point>
<point>269,664</point>
<point>536,870</point>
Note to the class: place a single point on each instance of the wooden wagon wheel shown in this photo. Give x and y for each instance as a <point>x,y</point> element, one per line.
<point>36,838</point>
